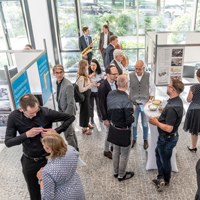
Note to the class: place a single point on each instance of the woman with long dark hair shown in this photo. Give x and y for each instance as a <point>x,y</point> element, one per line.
<point>97,76</point>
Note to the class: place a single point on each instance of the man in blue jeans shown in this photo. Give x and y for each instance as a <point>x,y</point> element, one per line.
<point>168,124</point>
<point>142,91</point>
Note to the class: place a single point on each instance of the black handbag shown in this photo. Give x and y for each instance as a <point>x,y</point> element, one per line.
<point>119,137</point>
<point>79,97</point>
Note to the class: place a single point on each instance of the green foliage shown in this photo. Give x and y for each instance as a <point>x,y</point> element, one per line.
<point>181,23</point>
<point>13,17</point>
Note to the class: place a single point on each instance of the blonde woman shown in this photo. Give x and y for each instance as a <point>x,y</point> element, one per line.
<point>84,85</point>
<point>58,179</point>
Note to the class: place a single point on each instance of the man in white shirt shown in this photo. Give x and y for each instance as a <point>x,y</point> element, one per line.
<point>118,57</point>
<point>142,91</point>
<point>104,42</point>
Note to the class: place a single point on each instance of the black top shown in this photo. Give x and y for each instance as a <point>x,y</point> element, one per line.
<point>45,117</point>
<point>171,115</point>
<point>196,93</point>
<point>120,109</point>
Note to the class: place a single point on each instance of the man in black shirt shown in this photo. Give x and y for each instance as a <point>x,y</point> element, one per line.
<point>168,124</point>
<point>32,122</point>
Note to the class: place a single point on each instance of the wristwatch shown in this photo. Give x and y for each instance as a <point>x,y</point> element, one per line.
<point>39,181</point>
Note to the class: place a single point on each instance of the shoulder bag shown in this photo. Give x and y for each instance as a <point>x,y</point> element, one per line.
<point>119,137</point>
<point>78,96</point>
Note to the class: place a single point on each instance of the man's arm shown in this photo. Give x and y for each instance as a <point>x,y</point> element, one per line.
<point>111,54</point>
<point>102,99</point>
<point>55,116</point>
<point>11,131</point>
<point>70,100</point>
<point>80,44</point>
<point>164,127</point>
<point>100,42</point>
<point>129,113</point>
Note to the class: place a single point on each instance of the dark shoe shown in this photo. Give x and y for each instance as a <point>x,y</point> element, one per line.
<point>156,182</point>
<point>90,126</point>
<point>146,145</point>
<point>115,175</point>
<point>108,154</point>
<point>134,141</point>
<point>161,185</point>
<point>192,150</point>
<point>77,149</point>
<point>128,175</point>
<point>111,148</point>
<point>92,120</point>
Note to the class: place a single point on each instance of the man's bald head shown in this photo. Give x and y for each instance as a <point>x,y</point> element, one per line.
<point>139,67</point>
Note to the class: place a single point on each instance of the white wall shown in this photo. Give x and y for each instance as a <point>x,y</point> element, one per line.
<point>41,26</point>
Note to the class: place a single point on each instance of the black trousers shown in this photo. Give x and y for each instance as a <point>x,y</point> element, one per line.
<point>93,97</point>
<point>89,58</point>
<point>30,169</point>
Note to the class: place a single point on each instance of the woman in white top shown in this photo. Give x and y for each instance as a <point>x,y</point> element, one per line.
<point>84,85</point>
<point>96,75</point>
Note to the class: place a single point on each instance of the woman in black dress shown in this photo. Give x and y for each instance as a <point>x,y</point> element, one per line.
<point>84,85</point>
<point>192,120</point>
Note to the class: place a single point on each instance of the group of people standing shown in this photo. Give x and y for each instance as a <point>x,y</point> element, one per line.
<point>117,110</point>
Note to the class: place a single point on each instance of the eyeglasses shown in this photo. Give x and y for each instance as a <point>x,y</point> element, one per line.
<point>115,74</point>
<point>136,69</point>
<point>57,73</point>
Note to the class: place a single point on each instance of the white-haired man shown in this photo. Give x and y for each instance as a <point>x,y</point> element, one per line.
<point>118,57</point>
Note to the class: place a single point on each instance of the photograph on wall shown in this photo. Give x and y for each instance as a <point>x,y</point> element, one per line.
<point>3,119</point>
<point>176,62</point>
<point>163,75</point>
<point>175,70</point>
<point>177,52</point>
<point>178,76</point>
<point>3,93</point>
<point>5,106</point>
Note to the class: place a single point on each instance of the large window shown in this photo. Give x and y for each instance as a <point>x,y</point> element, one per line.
<point>155,15</point>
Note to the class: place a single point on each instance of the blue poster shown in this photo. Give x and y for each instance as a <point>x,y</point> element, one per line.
<point>45,80</point>
<point>20,87</point>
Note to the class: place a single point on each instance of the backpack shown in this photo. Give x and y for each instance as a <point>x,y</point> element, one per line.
<point>79,97</point>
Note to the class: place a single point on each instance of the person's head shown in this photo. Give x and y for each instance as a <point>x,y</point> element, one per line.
<point>118,55</point>
<point>82,69</point>
<point>198,75</point>
<point>173,12</point>
<point>54,144</point>
<point>122,82</point>
<point>111,73</point>
<point>139,67</point>
<point>113,40</point>
<point>105,28</point>
<point>28,105</point>
<point>85,30</point>
<point>94,67</point>
<point>175,87</point>
<point>58,72</point>
<point>29,46</point>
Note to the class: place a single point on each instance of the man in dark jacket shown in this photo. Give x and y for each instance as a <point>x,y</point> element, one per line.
<point>120,111</point>
<point>110,49</point>
<point>106,86</point>
<point>84,41</point>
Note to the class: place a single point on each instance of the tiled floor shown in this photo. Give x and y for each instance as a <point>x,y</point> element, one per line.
<point>97,176</point>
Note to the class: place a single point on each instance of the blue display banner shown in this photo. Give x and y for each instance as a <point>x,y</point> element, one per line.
<point>20,87</point>
<point>45,80</point>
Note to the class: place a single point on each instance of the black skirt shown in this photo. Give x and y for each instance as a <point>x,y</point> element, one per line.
<point>192,119</point>
<point>84,115</point>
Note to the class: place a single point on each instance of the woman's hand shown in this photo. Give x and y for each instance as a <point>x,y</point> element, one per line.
<point>93,74</point>
<point>92,83</point>
<point>39,175</point>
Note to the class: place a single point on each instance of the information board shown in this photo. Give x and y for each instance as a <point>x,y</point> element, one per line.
<point>20,87</point>
<point>169,64</point>
<point>45,80</point>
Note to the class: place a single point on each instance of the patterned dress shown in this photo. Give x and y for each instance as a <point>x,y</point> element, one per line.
<point>192,119</point>
<point>60,180</point>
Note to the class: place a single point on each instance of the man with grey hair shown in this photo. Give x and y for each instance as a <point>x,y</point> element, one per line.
<point>142,91</point>
<point>120,111</point>
<point>118,57</point>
